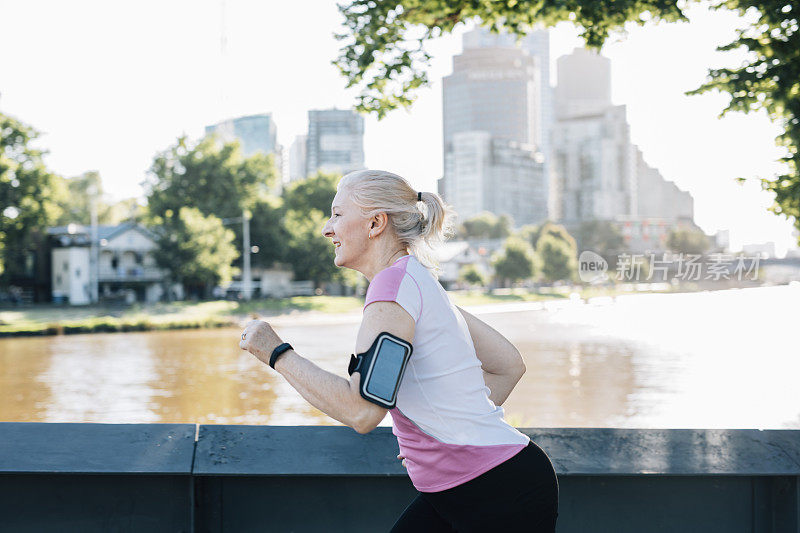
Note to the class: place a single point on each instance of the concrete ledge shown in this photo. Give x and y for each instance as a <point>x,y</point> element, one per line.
<point>337,450</point>
<point>28,447</point>
<point>609,451</point>
<point>296,450</point>
<point>155,477</point>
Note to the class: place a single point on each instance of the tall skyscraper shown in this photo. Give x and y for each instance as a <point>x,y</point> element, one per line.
<point>657,197</point>
<point>255,132</point>
<point>494,129</point>
<point>599,173</point>
<point>537,44</point>
<point>595,165</point>
<point>498,175</point>
<point>297,158</point>
<point>335,141</point>
<point>584,83</point>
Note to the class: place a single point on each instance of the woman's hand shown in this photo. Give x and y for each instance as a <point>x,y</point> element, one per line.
<point>259,339</point>
<point>399,456</point>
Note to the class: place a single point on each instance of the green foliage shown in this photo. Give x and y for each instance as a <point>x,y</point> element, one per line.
<point>486,225</point>
<point>383,55</point>
<point>470,275</point>
<point>532,233</point>
<point>196,249</point>
<point>688,241</point>
<point>557,257</point>
<point>769,80</point>
<point>76,204</point>
<point>602,237</point>
<point>314,192</point>
<point>268,232</point>
<point>516,262</point>
<point>308,252</point>
<point>30,198</point>
<point>210,176</point>
<point>216,179</point>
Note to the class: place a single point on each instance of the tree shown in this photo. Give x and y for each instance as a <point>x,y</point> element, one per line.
<point>30,199</point>
<point>209,175</point>
<point>268,232</point>
<point>602,237</point>
<point>768,81</point>
<point>197,250</point>
<point>557,258</point>
<point>532,234</point>
<point>126,210</point>
<point>308,252</point>
<point>515,263</point>
<point>215,178</point>
<point>470,275</point>
<point>384,56</point>
<point>486,225</point>
<point>314,192</point>
<point>76,205</point>
<point>688,241</point>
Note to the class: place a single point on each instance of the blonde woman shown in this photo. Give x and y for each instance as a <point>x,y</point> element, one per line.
<point>472,470</point>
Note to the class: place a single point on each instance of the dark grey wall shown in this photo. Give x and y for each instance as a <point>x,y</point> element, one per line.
<point>156,477</point>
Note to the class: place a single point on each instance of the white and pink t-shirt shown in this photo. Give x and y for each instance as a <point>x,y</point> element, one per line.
<point>446,426</point>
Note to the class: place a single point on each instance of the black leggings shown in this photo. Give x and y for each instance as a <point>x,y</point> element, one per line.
<point>520,494</point>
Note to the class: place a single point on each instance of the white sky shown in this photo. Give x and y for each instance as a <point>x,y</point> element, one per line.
<point>111,84</point>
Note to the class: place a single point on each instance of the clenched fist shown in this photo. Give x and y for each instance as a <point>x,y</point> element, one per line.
<point>259,339</point>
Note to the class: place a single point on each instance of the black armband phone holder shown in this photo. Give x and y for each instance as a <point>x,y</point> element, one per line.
<point>382,368</point>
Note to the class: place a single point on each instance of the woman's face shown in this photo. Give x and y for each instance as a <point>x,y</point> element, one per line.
<point>347,230</point>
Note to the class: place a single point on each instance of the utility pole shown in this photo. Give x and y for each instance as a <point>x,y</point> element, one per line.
<point>247,281</point>
<point>246,275</point>
<point>94,263</point>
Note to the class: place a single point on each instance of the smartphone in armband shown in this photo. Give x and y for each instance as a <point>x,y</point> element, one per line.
<point>382,368</point>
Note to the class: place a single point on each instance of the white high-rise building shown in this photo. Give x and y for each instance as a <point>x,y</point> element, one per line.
<point>584,84</point>
<point>598,173</point>
<point>537,44</point>
<point>255,133</point>
<point>494,98</point>
<point>335,141</point>
<point>297,158</point>
<point>657,197</point>
<point>595,165</point>
<point>498,175</point>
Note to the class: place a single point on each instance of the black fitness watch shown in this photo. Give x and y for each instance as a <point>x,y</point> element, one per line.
<point>278,351</point>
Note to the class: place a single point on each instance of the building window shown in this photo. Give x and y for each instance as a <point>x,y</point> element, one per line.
<point>77,272</point>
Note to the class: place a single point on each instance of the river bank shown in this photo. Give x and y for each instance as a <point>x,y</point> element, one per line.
<point>59,320</point>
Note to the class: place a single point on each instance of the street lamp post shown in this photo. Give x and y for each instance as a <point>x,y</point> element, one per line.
<point>94,273</point>
<point>247,282</point>
<point>246,275</point>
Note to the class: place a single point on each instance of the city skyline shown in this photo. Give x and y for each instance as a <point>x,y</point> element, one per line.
<point>107,107</point>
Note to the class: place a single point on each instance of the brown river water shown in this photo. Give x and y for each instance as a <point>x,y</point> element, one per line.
<point>721,359</point>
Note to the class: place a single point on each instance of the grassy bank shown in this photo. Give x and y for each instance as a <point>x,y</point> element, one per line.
<point>56,320</point>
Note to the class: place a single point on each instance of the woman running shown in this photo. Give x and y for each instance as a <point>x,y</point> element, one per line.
<point>472,470</point>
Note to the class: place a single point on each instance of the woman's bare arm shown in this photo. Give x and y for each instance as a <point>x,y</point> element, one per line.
<point>501,361</point>
<point>338,397</point>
